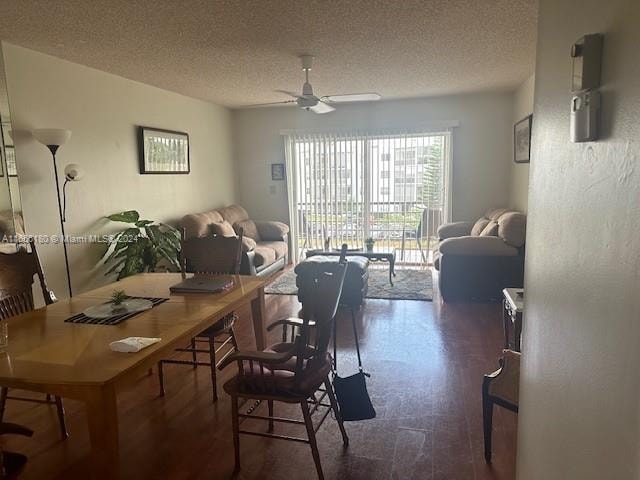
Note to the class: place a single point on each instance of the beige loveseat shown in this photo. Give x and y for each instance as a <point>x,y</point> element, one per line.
<point>476,260</point>
<point>265,244</point>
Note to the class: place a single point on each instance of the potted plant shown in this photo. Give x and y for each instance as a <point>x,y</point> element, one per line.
<point>117,297</point>
<point>141,246</point>
<point>368,243</point>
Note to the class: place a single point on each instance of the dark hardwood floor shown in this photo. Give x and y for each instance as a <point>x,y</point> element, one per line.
<point>426,362</point>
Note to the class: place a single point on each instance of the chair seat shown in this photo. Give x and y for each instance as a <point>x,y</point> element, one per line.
<point>256,382</point>
<point>221,326</point>
<point>290,364</point>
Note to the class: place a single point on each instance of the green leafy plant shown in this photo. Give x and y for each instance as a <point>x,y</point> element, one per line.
<point>141,246</point>
<point>118,296</point>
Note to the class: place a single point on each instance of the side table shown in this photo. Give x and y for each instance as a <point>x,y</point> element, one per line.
<point>513,308</point>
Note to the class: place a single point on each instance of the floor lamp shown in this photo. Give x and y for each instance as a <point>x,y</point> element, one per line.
<point>53,138</point>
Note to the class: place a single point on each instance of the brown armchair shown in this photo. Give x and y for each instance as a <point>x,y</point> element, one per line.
<point>477,260</point>
<point>293,372</point>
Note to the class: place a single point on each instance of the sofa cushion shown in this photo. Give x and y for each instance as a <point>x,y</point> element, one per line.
<point>248,244</point>
<point>197,224</point>
<point>264,255</point>
<point>491,230</point>
<point>280,248</point>
<point>479,226</point>
<point>233,214</point>
<point>223,228</point>
<point>484,246</point>
<point>495,213</point>
<point>272,230</point>
<point>454,229</point>
<point>512,228</point>
<point>249,229</point>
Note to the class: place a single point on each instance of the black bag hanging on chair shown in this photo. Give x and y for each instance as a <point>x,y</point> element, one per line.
<point>351,392</point>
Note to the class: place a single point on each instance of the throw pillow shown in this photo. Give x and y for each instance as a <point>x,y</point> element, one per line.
<point>491,230</point>
<point>249,229</point>
<point>223,229</point>
<point>479,226</point>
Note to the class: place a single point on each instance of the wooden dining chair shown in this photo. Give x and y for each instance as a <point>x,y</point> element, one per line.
<point>11,463</point>
<point>16,297</point>
<point>209,255</point>
<point>500,388</point>
<point>293,372</point>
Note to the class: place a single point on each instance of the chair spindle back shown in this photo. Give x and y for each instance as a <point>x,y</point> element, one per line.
<point>213,254</point>
<point>16,280</point>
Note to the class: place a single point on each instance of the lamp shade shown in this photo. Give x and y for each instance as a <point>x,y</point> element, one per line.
<point>73,172</point>
<point>52,136</point>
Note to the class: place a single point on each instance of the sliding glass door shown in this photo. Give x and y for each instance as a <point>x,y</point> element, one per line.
<point>350,187</point>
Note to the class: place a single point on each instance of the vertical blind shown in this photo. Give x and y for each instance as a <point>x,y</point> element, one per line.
<point>347,187</point>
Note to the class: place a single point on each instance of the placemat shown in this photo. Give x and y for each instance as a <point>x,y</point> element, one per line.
<point>116,319</point>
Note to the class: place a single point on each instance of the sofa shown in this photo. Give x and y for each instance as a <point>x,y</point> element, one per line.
<point>476,260</point>
<point>265,247</point>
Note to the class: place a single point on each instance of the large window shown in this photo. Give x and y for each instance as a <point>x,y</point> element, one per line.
<point>393,188</point>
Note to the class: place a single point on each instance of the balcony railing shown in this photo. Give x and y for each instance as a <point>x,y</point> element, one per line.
<point>408,228</point>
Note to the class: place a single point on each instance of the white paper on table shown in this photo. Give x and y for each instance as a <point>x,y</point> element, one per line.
<point>132,344</point>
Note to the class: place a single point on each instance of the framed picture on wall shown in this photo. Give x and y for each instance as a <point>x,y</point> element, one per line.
<point>277,171</point>
<point>522,140</point>
<point>163,151</point>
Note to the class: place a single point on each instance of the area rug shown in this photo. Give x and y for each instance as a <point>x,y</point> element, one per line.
<point>407,285</point>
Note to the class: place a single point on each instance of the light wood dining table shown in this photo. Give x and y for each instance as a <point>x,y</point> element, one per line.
<point>46,354</point>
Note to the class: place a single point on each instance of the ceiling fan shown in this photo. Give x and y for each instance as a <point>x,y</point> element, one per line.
<point>308,101</point>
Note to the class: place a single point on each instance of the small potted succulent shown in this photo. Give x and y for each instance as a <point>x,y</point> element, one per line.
<point>368,243</point>
<point>117,297</point>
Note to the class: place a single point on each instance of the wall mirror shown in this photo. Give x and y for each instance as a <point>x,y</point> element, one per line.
<point>11,220</point>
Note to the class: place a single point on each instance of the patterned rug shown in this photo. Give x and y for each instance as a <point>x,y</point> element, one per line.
<point>407,285</point>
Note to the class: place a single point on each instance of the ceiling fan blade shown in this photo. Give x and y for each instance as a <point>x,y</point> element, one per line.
<point>321,107</point>
<point>284,102</point>
<point>291,94</point>
<point>352,97</point>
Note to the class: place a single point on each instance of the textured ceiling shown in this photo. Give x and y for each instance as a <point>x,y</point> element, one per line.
<point>237,53</point>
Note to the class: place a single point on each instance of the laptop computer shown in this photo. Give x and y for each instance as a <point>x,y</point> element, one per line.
<point>202,285</point>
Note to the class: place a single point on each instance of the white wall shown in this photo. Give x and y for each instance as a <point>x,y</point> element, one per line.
<point>481,146</point>
<point>580,389</point>
<point>519,185</point>
<point>103,110</point>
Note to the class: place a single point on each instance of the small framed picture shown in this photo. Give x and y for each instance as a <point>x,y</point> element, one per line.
<point>163,151</point>
<point>522,140</point>
<point>277,171</point>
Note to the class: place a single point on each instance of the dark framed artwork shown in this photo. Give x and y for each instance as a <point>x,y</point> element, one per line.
<point>163,151</point>
<point>522,140</point>
<point>277,171</point>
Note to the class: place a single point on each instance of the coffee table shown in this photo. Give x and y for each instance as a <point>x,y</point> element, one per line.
<point>389,257</point>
